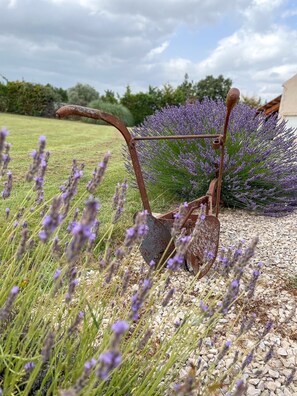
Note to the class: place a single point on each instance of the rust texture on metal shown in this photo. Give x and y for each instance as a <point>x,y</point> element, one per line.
<point>112,120</point>
<point>231,101</point>
<point>175,137</point>
<point>158,242</point>
<point>205,242</point>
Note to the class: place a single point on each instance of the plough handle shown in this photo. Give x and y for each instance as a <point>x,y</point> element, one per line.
<point>232,98</point>
<point>112,120</point>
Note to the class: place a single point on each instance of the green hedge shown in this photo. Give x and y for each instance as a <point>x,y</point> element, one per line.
<point>26,98</point>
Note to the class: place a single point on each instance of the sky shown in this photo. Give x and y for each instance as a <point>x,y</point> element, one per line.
<point>110,44</point>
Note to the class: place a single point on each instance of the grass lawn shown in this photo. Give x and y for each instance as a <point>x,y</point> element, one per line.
<point>68,140</point>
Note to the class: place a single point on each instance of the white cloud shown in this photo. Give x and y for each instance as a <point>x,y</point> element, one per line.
<point>154,52</point>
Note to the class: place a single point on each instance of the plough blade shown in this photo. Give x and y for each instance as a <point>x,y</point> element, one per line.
<point>203,249</point>
<point>157,240</point>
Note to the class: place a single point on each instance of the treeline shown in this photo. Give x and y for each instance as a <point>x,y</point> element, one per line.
<point>21,97</point>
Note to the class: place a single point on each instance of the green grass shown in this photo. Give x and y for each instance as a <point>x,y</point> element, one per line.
<point>68,140</point>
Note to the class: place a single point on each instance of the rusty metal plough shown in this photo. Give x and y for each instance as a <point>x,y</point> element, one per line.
<point>158,239</point>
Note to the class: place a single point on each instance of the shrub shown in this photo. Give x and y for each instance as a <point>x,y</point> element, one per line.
<point>21,97</point>
<point>115,109</point>
<point>85,320</point>
<point>82,94</point>
<point>260,164</point>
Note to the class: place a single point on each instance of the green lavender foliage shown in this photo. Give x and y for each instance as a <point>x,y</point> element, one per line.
<point>80,315</point>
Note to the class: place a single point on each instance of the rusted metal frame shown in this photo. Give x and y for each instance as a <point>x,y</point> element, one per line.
<point>232,99</point>
<point>175,137</point>
<point>130,141</point>
<point>211,193</point>
<point>193,204</point>
<point>100,115</point>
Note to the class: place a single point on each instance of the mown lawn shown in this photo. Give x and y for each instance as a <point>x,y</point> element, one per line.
<point>68,140</point>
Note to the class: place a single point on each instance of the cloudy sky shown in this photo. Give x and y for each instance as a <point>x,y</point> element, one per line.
<point>111,43</point>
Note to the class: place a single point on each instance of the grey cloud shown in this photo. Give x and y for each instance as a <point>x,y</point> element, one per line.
<point>109,44</point>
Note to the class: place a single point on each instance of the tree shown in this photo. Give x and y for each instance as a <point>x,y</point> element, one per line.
<point>142,104</point>
<point>213,88</point>
<point>61,94</point>
<point>185,91</point>
<point>82,94</point>
<point>109,97</point>
<point>251,101</point>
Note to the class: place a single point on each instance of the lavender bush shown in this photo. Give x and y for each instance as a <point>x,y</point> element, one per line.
<point>260,171</point>
<point>77,322</point>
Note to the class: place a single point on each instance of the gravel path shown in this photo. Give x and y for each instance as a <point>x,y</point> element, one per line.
<point>275,298</point>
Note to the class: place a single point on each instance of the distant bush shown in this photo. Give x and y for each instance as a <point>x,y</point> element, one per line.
<point>117,110</point>
<point>82,94</point>
<point>21,97</point>
<point>260,163</point>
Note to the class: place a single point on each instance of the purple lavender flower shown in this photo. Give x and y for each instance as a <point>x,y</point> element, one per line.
<point>182,244</point>
<point>203,306</point>
<point>3,135</point>
<point>24,239</point>
<point>90,364</point>
<point>241,388</point>
<point>119,200</point>
<point>168,297</point>
<point>7,186</point>
<point>38,157</point>
<point>224,350</point>
<point>94,235</point>
<point>252,285</point>
<point>82,232</point>
<point>77,321</point>
<point>120,327</point>
<point>230,296</point>
<point>72,284</point>
<point>125,281</point>
<point>70,189</point>
<point>5,311</point>
<point>144,340</point>
<point>7,211</point>
<point>138,299</point>
<point>52,220</point>
<point>179,219</point>
<point>135,233</point>
<point>98,174</point>
<point>248,360</point>
<point>29,366</point>
<point>290,377</point>
<point>57,273</point>
<point>14,291</point>
<point>267,328</point>
<point>269,354</point>
<point>82,380</point>
<point>47,347</point>
<point>246,324</point>
<point>259,175</point>
<point>5,158</point>
<point>109,360</point>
